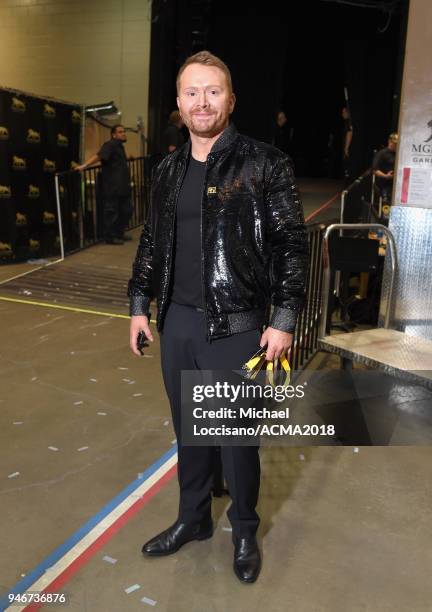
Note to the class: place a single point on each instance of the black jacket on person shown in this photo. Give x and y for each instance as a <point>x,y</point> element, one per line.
<point>253,238</point>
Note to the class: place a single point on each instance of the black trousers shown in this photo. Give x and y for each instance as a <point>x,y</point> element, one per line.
<point>184,347</point>
<point>117,211</point>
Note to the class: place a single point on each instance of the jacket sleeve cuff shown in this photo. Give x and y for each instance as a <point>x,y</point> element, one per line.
<point>283,319</point>
<point>139,305</point>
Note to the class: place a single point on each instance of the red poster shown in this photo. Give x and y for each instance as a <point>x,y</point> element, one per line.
<point>405,185</point>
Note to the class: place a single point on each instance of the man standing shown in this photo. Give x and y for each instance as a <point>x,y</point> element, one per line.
<point>172,137</point>
<point>116,189</point>
<point>383,168</point>
<point>224,240</point>
<point>283,134</point>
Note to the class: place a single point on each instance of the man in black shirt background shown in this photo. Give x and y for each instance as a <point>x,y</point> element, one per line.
<point>383,168</point>
<point>116,189</point>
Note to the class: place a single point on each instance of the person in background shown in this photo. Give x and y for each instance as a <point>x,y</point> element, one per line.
<point>346,144</point>
<point>283,134</point>
<point>172,138</point>
<point>116,187</point>
<point>383,168</point>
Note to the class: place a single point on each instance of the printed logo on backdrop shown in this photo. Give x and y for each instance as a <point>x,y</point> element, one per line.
<point>5,248</point>
<point>76,116</point>
<point>49,111</point>
<point>421,152</point>
<point>49,166</point>
<point>4,133</point>
<point>33,192</point>
<point>18,106</point>
<point>20,219</point>
<point>48,218</point>
<point>33,137</point>
<point>62,140</point>
<point>5,191</point>
<point>18,163</point>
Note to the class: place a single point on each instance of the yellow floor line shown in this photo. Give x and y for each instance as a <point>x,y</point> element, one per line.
<point>71,308</point>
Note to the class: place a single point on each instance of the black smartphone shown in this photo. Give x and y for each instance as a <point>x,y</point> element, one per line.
<point>141,342</point>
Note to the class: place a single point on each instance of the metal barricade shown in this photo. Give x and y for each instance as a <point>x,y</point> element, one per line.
<point>80,203</point>
<point>326,266</point>
<point>306,335</point>
<point>357,198</point>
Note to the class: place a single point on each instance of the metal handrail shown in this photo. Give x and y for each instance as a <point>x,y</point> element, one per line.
<point>367,173</point>
<point>95,166</point>
<point>326,263</point>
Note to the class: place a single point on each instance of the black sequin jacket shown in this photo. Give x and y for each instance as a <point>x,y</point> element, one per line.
<point>253,237</point>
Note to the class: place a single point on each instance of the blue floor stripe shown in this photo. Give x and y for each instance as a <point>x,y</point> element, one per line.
<point>59,552</point>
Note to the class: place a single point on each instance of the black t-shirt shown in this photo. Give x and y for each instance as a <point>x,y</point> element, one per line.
<point>171,136</point>
<point>187,281</point>
<point>384,160</point>
<point>115,170</point>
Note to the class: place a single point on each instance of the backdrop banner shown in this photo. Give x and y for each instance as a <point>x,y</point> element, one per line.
<point>38,137</point>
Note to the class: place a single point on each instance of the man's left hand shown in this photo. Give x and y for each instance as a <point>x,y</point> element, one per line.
<point>278,342</point>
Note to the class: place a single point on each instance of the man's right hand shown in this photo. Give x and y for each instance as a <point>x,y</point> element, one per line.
<point>139,323</point>
<point>80,168</point>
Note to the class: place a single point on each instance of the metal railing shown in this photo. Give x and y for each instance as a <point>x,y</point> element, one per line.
<point>358,204</point>
<point>356,199</point>
<point>326,265</point>
<point>80,203</point>
<point>306,335</point>
<point>361,201</point>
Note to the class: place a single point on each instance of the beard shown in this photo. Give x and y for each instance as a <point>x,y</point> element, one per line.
<point>206,127</point>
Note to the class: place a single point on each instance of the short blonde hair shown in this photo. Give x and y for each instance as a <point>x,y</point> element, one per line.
<point>206,59</point>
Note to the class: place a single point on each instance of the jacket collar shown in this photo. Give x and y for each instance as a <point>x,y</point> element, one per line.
<point>225,140</point>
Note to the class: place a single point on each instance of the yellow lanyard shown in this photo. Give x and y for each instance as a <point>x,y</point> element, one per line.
<point>254,365</point>
<point>272,367</point>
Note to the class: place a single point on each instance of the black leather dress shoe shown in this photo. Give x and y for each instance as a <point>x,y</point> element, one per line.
<point>247,559</point>
<point>170,540</point>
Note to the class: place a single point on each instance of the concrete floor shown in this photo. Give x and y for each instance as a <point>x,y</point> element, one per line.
<point>343,528</point>
<point>315,193</point>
